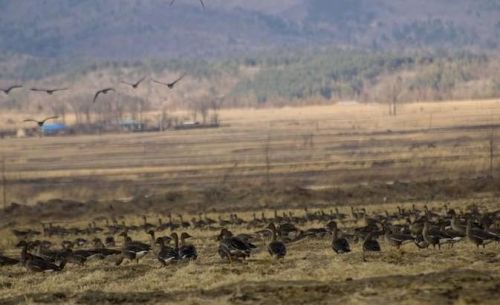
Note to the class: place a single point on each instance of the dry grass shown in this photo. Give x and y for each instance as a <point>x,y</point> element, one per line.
<point>352,144</point>
<point>310,274</point>
<point>313,147</point>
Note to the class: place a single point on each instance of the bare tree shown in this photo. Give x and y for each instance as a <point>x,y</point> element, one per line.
<point>4,184</point>
<point>394,93</point>
<point>491,149</point>
<point>267,156</point>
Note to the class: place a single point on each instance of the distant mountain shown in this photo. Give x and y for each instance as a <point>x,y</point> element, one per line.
<point>127,29</point>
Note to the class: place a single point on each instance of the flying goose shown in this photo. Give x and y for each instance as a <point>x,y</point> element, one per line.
<point>42,122</point>
<point>201,1</point>
<point>171,84</point>
<point>102,91</point>
<point>48,91</point>
<point>136,84</point>
<point>9,89</point>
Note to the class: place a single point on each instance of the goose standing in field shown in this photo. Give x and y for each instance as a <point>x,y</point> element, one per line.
<point>370,245</point>
<point>232,247</point>
<point>479,237</point>
<point>276,248</point>
<point>7,261</point>
<point>187,251</point>
<point>132,250</point>
<point>35,263</point>
<point>42,122</point>
<point>168,254</point>
<point>339,244</point>
<point>396,239</point>
<point>10,88</point>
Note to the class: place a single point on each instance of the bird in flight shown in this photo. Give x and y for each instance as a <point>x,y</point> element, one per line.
<point>48,91</point>
<point>102,91</point>
<point>172,84</point>
<point>9,89</point>
<point>201,1</point>
<point>42,122</point>
<point>134,85</point>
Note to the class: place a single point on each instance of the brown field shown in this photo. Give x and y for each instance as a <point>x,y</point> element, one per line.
<point>323,157</point>
<point>313,147</point>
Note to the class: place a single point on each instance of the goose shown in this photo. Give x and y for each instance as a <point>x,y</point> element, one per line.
<point>201,1</point>
<point>187,251</point>
<point>102,91</point>
<point>35,263</point>
<point>370,245</point>
<point>171,84</point>
<point>233,248</point>
<point>276,248</point>
<point>7,261</point>
<point>102,250</point>
<point>436,237</point>
<point>478,237</point>
<point>396,239</point>
<point>48,91</point>
<point>10,88</point>
<point>339,244</point>
<point>168,254</point>
<point>136,84</point>
<point>132,250</point>
<point>42,122</point>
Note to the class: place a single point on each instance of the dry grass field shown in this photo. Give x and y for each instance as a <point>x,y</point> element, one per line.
<point>290,158</point>
<point>313,147</point>
<point>311,273</point>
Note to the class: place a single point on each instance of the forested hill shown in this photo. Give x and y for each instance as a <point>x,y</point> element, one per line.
<point>128,29</point>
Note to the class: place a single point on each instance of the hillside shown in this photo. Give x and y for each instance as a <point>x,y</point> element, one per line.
<point>138,29</point>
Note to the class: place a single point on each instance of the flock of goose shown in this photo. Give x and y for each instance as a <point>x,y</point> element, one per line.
<point>51,91</point>
<point>422,227</point>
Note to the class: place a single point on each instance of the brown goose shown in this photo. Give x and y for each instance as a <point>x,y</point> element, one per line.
<point>370,245</point>
<point>102,91</point>
<point>168,254</point>
<point>7,261</point>
<point>478,237</point>
<point>35,263</point>
<point>132,250</point>
<point>276,248</point>
<point>136,84</point>
<point>171,84</point>
<point>396,239</point>
<point>48,91</point>
<point>10,88</point>
<point>232,247</point>
<point>187,251</point>
<point>339,244</point>
<point>42,122</point>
